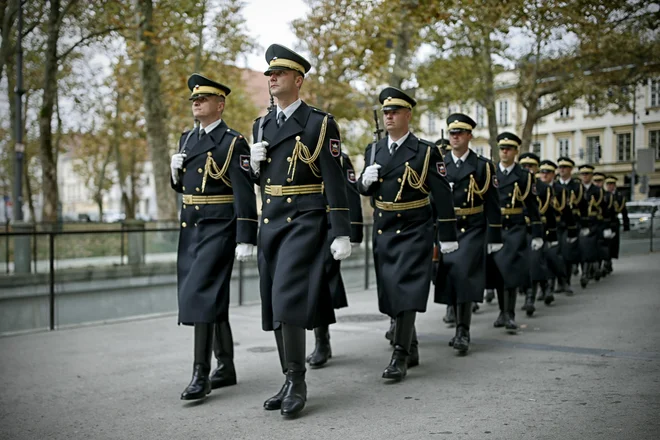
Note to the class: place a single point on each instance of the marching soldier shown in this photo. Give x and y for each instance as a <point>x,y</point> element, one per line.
<point>508,269</point>
<point>322,351</point>
<point>619,202</point>
<point>402,172</point>
<point>295,159</point>
<point>212,171</point>
<point>570,248</point>
<point>538,258</point>
<point>605,222</point>
<point>461,277</point>
<point>566,226</point>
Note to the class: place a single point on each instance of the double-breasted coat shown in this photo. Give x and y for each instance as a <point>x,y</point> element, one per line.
<point>589,208</point>
<point>561,209</point>
<point>218,211</point>
<point>619,208</point>
<point>303,190</point>
<point>403,232</point>
<point>575,193</point>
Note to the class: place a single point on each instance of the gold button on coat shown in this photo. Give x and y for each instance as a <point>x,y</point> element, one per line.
<point>199,170</point>
<point>268,180</point>
<point>197,189</point>
<point>184,170</point>
<point>266,220</point>
<point>184,224</point>
<point>269,160</point>
<point>380,232</point>
<point>288,219</point>
<point>197,208</point>
<point>267,200</point>
<point>288,199</point>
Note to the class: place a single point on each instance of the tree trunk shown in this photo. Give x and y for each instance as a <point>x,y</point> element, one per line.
<point>491,108</point>
<point>155,112</point>
<point>8,11</point>
<point>121,176</point>
<point>48,164</point>
<point>200,39</point>
<point>528,129</point>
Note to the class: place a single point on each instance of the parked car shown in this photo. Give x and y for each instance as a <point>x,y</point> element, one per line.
<point>641,214</point>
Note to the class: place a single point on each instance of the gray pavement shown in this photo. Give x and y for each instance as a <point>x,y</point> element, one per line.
<point>587,367</point>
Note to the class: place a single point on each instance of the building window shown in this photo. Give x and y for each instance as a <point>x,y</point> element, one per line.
<point>479,150</point>
<point>593,149</point>
<point>564,148</point>
<point>536,148</point>
<point>503,113</point>
<point>654,92</point>
<point>565,112</point>
<point>431,127</point>
<point>654,142</point>
<point>624,146</point>
<point>481,116</point>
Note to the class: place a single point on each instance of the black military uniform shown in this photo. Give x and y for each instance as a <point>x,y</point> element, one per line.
<point>567,231</point>
<point>570,249</point>
<point>619,205</point>
<point>322,351</point>
<point>461,276</point>
<point>403,225</point>
<point>590,227</point>
<point>303,189</point>
<point>508,269</point>
<point>218,211</point>
<point>606,212</point>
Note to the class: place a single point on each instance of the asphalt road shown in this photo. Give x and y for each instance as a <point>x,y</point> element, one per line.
<point>587,367</point>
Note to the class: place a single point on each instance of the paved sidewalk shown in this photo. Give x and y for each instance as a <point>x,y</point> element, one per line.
<point>588,367</point>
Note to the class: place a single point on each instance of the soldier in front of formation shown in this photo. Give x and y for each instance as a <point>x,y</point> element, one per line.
<point>295,162</point>
<point>508,269</point>
<point>322,350</point>
<point>218,224</point>
<point>619,205</point>
<point>605,222</point>
<point>461,275</point>
<point>570,248</point>
<point>402,172</point>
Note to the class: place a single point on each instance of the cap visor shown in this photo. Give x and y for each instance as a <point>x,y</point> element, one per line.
<point>458,131</point>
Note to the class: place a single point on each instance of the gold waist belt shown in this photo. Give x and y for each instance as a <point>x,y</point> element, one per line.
<point>403,206</point>
<point>279,190</point>
<point>511,211</point>
<point>189,199</point>
<point>469,211</point>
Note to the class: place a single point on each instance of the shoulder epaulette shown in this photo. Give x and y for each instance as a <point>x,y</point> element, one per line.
<point>317,110</point>
<point>263,116</point>
<point>425,142</point>
<point>234,133</point>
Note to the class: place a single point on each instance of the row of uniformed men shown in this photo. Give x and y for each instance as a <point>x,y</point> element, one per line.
<point>311,214</point>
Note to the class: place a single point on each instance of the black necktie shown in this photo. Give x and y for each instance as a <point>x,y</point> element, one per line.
<point>505,172</point>
<point>458,163</point>
<point>281,118</point>
<point>202,133</point>
<point>393,148</point>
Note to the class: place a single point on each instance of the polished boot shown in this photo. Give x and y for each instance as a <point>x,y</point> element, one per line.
<point>510,309</point>
<point>463,319</point>
<point>389,334</point>
<point>475,307</point>
<point>295,391</point>
<point>596,271</point>
<point>413,358</point>
<point>548,296</point>
<point>450,316</point>
<point>322,351</point>
<point>490,294</point>
<point>540,292</point>
<point>584,279</point>
<point>499,322</point>
<point>200,385</point>
<point>223,348</point>
<point>275,402</point>
<point>530,296</point>
<point>403,331</point>
<point>575,270</point>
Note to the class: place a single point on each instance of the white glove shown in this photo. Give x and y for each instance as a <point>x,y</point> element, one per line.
<point>494,247</point>
<point>244,251</point>
<point>341,248</point>
<point>370,175</point>
<point>175,165</point>
<point>607,233</point>
<point>584,232</point>
<point>447,247</point>
<point>571,239</point>
<point>554,243</point>
<point>537,243</point>
<point>257,154</point>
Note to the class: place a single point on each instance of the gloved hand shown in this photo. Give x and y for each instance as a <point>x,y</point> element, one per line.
<point>244,251</point>
<point>607,233</point>
<point>584,232</point>
<point>537,243</point>
<point>554,243</point>
<point>370,175</point>
<point>341,248</point>
<point>447,247</point>
<point>257,154</point>
<point>571,239</point>
<point>175,165</point>
<point>494,247</point>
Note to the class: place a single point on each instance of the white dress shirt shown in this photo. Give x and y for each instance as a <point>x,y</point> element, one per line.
<point>399,141</point>
<point>289,110</point>
<point>209,128</point>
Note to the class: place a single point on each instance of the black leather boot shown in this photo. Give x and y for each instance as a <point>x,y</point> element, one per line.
<point>510,309</point>
<point>295,391</point>
<point>530,296</point>
<point>398,368</point>
<point>490,295</point>
<point>223,348</point>
<point>475,307</point>
<point>389,334</point>
<point>499,322</point>
<point>549,297</point>
<point>450,316</point>
<point>584,279</point>
<point>322,351</point>
<point>275,402</point>
<point>540,291</point>
<point>413,358</point>
<point>463,319</point>
<point>200,385</point>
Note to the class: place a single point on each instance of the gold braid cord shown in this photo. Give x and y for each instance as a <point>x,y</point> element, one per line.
<point>609,206</point>
<point>545,205</point>
<point>595,204</point>
<point>517,195</point>
<point>211,168</point>
<point>574,201</point>
<point>300,151</point>
<point>560,207</point>
<point>618,208</point>
<point>415,180</point>
<point>474,188</point>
